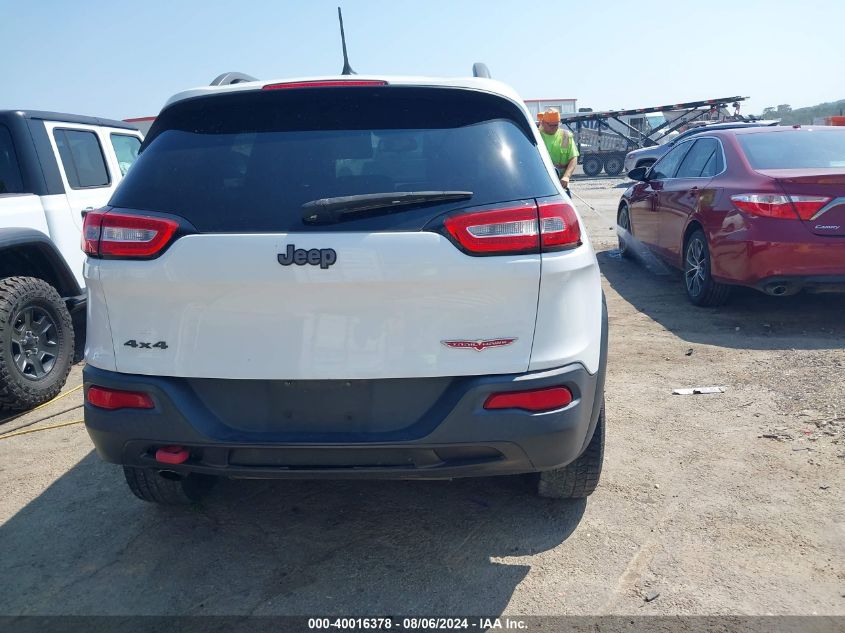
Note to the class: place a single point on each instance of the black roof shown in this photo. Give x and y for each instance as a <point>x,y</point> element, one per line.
<point>66,118</point>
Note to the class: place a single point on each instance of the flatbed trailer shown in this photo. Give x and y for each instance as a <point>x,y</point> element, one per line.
<point>604,138</point>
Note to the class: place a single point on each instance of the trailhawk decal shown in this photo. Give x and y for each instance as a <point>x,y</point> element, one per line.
<point>479,345</point>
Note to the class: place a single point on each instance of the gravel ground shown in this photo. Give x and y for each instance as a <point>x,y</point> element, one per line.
<point>721,504</point>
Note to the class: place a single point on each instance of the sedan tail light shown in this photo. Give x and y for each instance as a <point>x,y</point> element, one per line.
<point>111,234</point>
<point>772,205</point>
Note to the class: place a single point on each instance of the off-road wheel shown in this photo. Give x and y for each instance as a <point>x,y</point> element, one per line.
<point>36,342</point>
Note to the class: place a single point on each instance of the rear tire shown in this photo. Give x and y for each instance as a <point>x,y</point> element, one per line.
<point>613,165</point>
<point>36,342</point>
<point>148,485</point>
<point>580,478</point>
<point>699,284</point>
<point>624,222</point>
<point>591,166</point>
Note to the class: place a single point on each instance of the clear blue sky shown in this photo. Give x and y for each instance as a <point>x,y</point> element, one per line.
<point>124,59</point>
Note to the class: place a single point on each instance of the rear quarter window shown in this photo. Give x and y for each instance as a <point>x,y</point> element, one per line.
<point>249,161</point>
<point>126,148</point>
<point>10,172</point>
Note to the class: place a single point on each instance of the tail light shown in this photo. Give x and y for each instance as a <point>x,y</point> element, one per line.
<point>111,234</point>
<point>519,229</point>
<point>501,231</point>
<point>772,205</point>
<point>112,399</point>
<point>91,232</point>
<point>559,226</point>
<point>325,83</point>
<point>536,400</point>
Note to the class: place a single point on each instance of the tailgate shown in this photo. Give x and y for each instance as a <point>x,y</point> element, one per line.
<point>224,307</point>
<point>253,287</point>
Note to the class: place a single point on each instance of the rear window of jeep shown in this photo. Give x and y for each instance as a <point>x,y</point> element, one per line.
<point>248,161</point>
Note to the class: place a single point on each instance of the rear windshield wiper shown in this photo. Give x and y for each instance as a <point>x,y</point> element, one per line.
<point>332,210</point>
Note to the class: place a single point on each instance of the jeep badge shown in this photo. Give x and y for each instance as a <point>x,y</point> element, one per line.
<point>323,257</point>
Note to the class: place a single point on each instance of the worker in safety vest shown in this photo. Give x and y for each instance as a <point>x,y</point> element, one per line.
<point>560,144</point>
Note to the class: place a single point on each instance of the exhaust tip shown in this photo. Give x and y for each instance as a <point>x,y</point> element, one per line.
<point>779,290</point>
<point>171,475</point>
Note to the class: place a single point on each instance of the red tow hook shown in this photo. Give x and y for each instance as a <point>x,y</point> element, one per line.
<point>172,455</point>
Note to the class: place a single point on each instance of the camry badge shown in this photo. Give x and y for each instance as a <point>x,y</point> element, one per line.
<point>479,345</point>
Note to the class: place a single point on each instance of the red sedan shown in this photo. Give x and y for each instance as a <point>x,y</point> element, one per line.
<point>762,207</point>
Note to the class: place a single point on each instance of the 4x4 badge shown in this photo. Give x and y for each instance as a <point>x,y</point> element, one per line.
<point>479,345</point>
<point>322,257</point>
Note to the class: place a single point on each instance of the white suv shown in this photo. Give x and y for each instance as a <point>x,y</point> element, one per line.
<point>344,277</point>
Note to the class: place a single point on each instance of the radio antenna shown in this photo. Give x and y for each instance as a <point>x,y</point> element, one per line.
<point>347,69</point>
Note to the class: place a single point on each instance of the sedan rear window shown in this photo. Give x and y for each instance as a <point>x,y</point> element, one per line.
<point>795,149</point>
<point>249,161</point>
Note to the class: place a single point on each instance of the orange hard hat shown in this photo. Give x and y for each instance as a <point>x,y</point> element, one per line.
<point>549,116</point>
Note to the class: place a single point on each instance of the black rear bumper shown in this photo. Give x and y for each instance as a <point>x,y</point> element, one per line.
<point>251,429</point>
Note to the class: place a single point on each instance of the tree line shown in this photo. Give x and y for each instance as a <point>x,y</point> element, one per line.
<point>803,116</point>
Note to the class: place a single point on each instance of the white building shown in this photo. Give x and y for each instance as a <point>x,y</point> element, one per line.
<point>564,106</point>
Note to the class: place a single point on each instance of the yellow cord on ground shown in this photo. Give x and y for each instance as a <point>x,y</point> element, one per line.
<point>41,406</point>
<point>43,428</point>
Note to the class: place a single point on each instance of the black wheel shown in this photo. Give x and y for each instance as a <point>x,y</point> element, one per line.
<point>166,488</point>
<point>613,165</point>
<point>36,342</point>
<point>701,289</point>
<point>591,166</point>
<point>580,478</point>
<point>624,229</point>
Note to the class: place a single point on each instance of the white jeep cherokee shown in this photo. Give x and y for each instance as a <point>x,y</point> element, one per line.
<point>344,277</point>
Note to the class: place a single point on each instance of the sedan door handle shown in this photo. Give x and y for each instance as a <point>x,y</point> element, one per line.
<point>86,211</point>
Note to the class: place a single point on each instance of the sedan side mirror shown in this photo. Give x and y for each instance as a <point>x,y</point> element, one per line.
<point>639,173</point>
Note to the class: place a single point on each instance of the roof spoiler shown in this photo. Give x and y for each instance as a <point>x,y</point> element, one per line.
<point>480,69</point>
<point>227,79</point>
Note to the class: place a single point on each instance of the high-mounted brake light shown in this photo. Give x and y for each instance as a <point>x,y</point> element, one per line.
<point>773,205</point>
<point>112,399</point>
<point>536,400</point>
<point>112,234</point>
<point>325,83</point>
